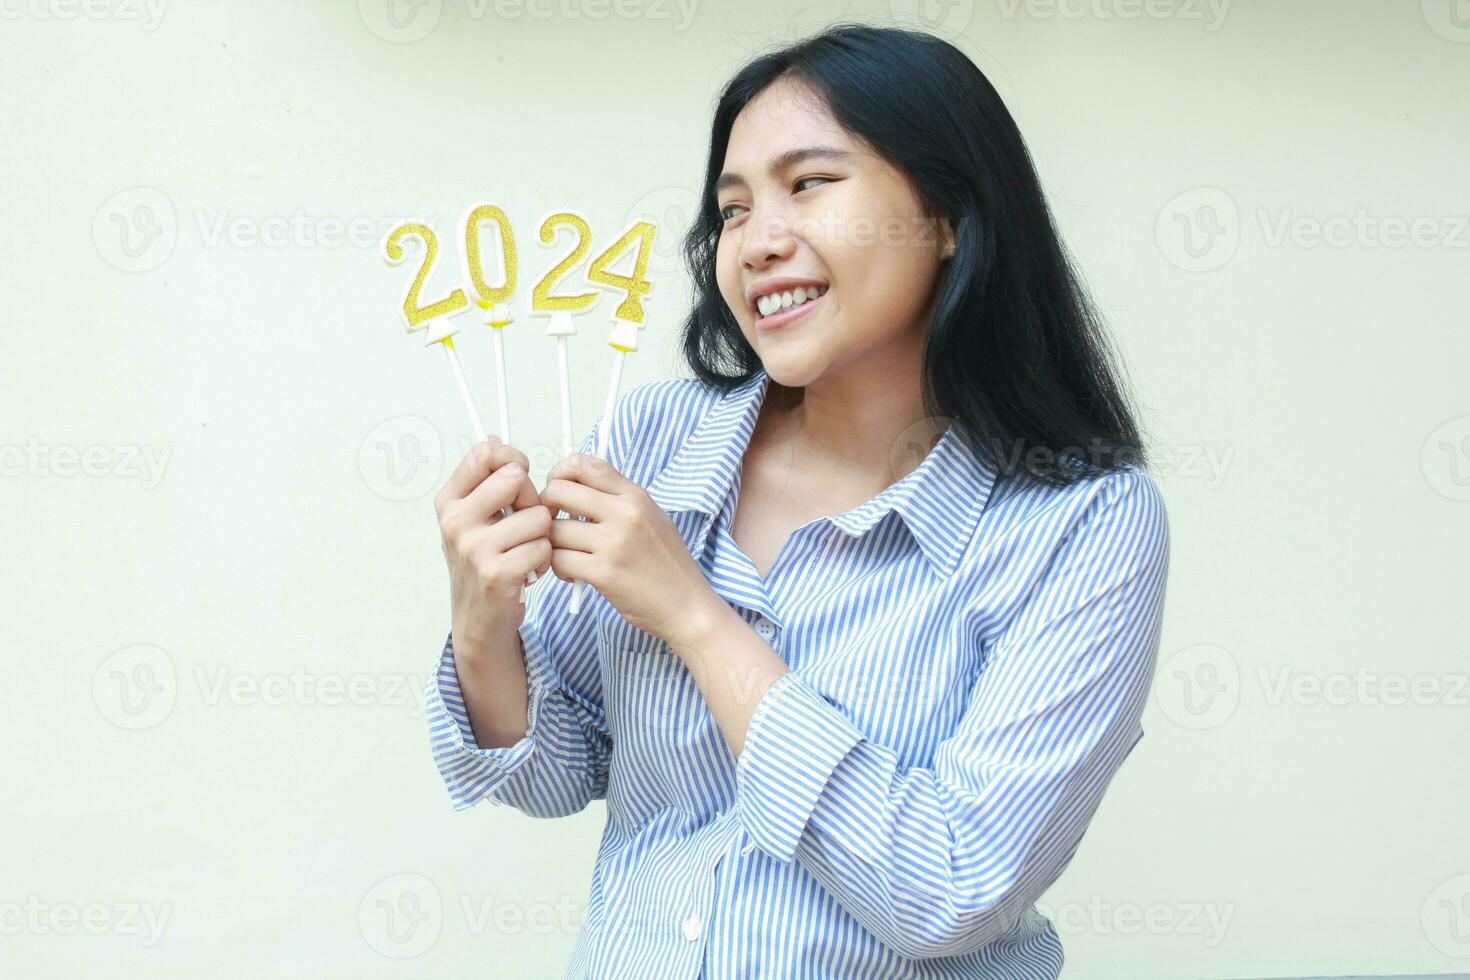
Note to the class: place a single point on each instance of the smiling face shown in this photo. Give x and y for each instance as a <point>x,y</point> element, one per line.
<point>808,206</point>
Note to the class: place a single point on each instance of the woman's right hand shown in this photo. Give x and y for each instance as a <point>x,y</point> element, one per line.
<point>490,556</point>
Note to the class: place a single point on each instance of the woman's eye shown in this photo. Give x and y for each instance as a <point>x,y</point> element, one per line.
<point>725,214</point>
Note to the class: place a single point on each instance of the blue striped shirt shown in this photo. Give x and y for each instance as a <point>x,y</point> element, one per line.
<point>970,655</point>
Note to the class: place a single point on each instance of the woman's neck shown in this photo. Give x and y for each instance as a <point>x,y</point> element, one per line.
<point>852,424</point>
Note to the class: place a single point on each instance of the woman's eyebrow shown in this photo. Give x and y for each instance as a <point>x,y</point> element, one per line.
<point>781,161</point>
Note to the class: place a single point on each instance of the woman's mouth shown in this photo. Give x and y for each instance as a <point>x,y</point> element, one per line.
<point>786,306</point>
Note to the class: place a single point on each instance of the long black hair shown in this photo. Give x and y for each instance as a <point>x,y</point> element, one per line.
<point>1015,355</point>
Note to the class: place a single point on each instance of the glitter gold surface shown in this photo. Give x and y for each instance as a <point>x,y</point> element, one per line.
<point>474,259</point>
<point>635,287</point>
<point>542,299</point>
<point>414,311</point>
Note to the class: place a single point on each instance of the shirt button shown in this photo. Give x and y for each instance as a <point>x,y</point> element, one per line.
<point>765,628</point>
<point>691,927</point>
<point>748,848</point>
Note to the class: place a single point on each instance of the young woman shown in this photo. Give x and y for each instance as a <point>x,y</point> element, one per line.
<point>877,592</point>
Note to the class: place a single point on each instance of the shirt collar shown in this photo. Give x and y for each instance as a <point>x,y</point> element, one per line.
<point>939,502</point>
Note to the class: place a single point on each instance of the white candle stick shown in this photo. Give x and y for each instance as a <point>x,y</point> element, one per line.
<point>464,389</point>
<point>498,317</point>
<point>560,325</point>
<point>493,300</point>
<point>626,320</point>
<point>568,433</point>
<point>434,318</point>
<point>623,341</point>
<point>476,423</point>
<point>500,386</point>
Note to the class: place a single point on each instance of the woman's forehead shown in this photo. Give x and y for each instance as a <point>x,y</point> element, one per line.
<point>788,106</point>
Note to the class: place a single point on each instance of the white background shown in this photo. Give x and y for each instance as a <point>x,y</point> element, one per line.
<point>220,448</point>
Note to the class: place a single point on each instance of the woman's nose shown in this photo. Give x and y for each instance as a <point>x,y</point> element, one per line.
<point>768,239</point>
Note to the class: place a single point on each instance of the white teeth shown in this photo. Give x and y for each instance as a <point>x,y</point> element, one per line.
<point>774,302</point>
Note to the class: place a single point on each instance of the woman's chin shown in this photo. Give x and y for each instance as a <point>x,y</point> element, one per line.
<point>790,369</point>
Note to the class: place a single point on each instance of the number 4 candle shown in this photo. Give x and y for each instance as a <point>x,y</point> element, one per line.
<point>627,320</point>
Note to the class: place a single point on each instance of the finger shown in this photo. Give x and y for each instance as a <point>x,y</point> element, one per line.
<point>507,486</point>
<point>501,536</point>
<point>589,470</point>
<point>482,459</point>
<point>574,566</point>
<point>472,469</point>
<point>525,492</point>
<point>528,555</point>
<point>573,535</point>
<point>574,498</point>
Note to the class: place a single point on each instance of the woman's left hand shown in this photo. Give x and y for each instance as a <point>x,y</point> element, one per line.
<point>628,550</point>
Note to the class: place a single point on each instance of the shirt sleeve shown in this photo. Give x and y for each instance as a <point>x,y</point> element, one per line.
<point>561,763</point>
<point>942,860</point>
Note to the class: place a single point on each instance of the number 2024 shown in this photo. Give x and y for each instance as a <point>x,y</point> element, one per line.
<point>634,287</point>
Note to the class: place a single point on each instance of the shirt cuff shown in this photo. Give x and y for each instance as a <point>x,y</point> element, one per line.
<point>794,741</point>
<point>472,771</point>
